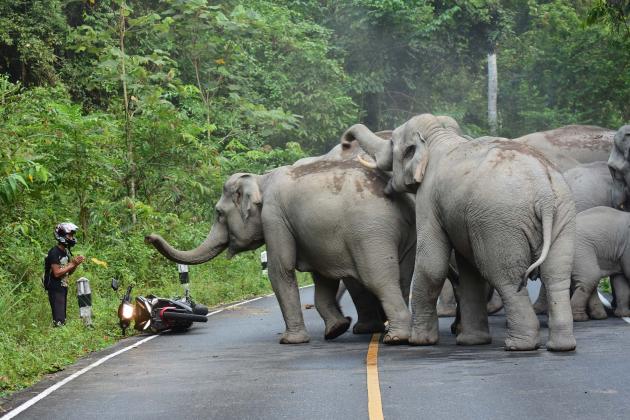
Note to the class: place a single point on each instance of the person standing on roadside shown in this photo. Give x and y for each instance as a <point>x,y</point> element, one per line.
<point>58,266</point>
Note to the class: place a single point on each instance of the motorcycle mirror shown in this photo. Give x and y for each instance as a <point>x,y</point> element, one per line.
<point>115,284</point>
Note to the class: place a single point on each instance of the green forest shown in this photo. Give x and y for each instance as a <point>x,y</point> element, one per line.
<point>126,117</point>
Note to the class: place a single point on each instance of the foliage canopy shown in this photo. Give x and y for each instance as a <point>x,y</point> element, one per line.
<point>126,117</point>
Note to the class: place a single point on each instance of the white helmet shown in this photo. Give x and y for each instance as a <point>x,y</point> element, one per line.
<point>64,229</point>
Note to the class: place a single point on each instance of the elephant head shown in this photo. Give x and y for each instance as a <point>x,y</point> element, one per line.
<point>619,164</point>
<point>407,153</point>
<point>237,225</point>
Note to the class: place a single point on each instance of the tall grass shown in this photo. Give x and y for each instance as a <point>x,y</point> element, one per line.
<point>30,347</point>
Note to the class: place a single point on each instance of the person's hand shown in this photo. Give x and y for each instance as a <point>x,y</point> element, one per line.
<point>78,260</point>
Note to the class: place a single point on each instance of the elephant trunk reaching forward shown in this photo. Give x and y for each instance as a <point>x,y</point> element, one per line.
<point>323,215</point>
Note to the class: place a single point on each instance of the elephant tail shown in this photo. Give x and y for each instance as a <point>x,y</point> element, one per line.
<point>547,224</point>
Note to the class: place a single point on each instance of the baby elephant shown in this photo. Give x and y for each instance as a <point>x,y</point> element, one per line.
<point>602,248</point>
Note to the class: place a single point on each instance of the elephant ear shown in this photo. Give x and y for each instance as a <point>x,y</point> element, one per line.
<point>247,196</point>
<point>421,167</point>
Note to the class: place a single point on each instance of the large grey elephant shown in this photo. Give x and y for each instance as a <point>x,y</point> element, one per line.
<point>619,164</point>
<point>326,216</point>
<point>572,145</point>
<point>568,147</point>
<point>601,249</point>
<point>503,208</point>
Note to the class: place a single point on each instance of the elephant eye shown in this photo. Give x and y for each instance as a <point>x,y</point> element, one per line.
<point>409,152</point>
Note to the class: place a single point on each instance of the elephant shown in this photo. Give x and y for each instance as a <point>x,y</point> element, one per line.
<point>503,208</point>
<point>325,216</point>
<point>601,249</point>
<point>619,164</point>
<point>591,185</point>
<point>571,145</point>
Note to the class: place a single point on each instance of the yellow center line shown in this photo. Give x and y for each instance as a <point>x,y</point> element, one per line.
<point>375,409</point>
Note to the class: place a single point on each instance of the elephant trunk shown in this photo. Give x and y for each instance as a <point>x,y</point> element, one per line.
<point>375,146</point>
<point>216,241</point>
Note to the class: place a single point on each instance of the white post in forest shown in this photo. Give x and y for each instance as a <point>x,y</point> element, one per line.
<point>492,93</point>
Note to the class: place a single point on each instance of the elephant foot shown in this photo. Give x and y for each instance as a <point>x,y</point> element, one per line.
<point>521,344</point>
<point>368,327</point>
<point>598,313</point>
<point>423,337</point>
<point>580,316</point>
<point>621,313</point>
<point>295,338</point>
<point>337,328</point>
<point>444,310</point>
<point>396,336</point>
<point>561,342</point>
<point>475,339</point>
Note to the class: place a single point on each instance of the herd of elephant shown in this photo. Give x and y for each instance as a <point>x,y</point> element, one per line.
<point>395,213</point>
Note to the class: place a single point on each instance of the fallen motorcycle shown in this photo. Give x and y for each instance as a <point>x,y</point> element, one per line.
<point>155,314</point>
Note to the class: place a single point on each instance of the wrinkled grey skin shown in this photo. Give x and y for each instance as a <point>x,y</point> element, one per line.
<point>502,207</point>
<point>447,303</point>
<point>591,185</point>
<point>619,164</point>
<point>602,249</point>
<point>571,145</point>
<point>327,217</point>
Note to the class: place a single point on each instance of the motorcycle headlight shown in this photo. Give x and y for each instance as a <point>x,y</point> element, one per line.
<point>127,311</point>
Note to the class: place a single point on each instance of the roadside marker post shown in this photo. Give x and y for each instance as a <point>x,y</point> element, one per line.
<point>84,297</point>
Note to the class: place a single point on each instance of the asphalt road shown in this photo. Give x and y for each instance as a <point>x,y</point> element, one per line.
<point>233,368</point>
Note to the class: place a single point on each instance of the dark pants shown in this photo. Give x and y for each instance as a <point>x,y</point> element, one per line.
<point>57,299</point>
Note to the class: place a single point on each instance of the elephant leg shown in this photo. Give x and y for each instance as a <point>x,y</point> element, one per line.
<point>446,305</point>
<point>522,323</point>
<point>340,291</point>
<point>472,305</point>
<point>584,280</point>
<point>382,277</point>
<point>556,274</point>
<point>328,308</point>
<point>369,310</point>
<point>495,304</point>
<point>540,306</point>
<point>406,266</point>
<point>281,267</point>
<point>433,251</point>
<point>596,308</point>
<point>620,285</point>
<point>502,257</point>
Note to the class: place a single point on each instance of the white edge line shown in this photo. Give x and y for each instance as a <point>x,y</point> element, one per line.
<point>58,385</point>
<point>603,299</point>
<point>75,375</point>
<point>607,305</point>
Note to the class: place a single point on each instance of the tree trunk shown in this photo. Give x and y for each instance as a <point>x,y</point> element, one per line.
<point>373,110</point>
<point>123,77</point>
<point>492,93</point>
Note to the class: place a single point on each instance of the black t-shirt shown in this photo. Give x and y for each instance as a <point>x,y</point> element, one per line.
<point>58,256</point>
